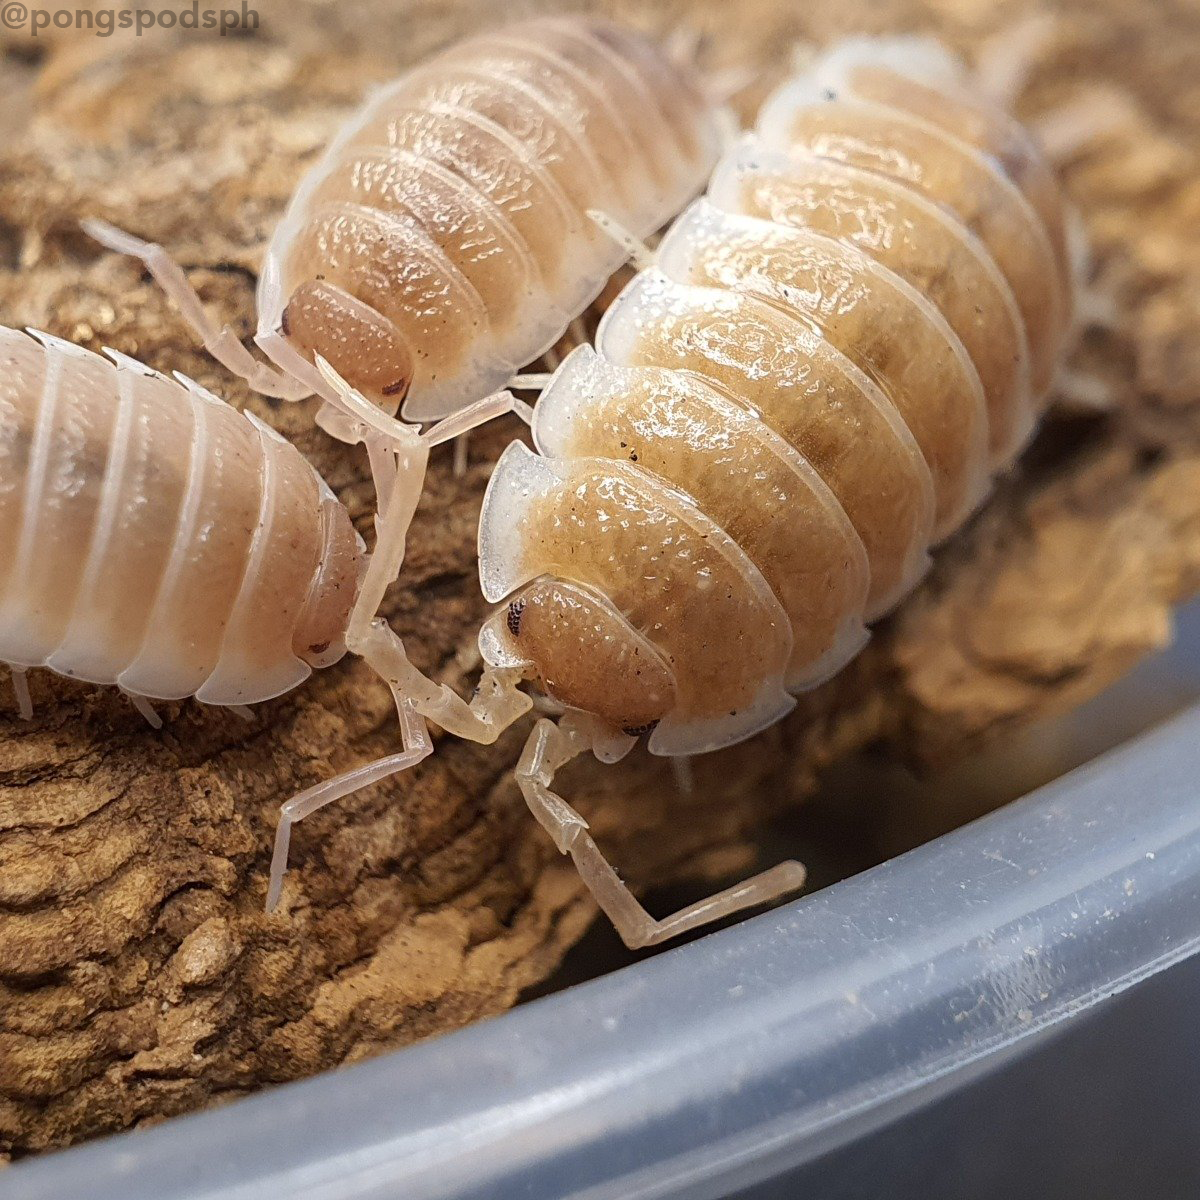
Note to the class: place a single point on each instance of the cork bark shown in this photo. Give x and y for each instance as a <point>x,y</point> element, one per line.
<point>139,977</point>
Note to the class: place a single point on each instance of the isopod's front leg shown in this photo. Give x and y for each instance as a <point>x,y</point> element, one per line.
<point>415,740</point>
<point>550,747</point>
<point>398,460</point>
<point>459,426</point>
<point>495,706</point>
<point>222,344</point>
<point>386,438</point>
<point>498,701</point>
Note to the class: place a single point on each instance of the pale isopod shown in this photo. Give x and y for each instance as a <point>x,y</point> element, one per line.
<point>154,538</point>
<point>813,380</point>
<point>442,241</point>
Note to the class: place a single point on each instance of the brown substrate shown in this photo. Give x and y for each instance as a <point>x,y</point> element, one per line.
<point>138,975</point>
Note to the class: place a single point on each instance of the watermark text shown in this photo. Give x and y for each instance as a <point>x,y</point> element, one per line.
<point>104,22</point>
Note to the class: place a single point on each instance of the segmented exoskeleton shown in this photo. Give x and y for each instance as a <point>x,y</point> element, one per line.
<point>813,380</point>
<point>155,538</point>
<point>442,239</point>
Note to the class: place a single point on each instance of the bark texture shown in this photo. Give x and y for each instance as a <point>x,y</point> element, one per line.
<point>139,977</point>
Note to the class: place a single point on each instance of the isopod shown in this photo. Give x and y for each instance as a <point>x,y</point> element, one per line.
<point>811,382</point>
<point>441,241</point>
<point>154,538</point>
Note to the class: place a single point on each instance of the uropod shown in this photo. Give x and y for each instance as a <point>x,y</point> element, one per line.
<point>441,241</point>
<point>811,382</point>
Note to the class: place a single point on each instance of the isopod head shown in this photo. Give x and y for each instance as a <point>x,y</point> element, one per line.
<point>318,634</point>
<point>365,348</point>
<point>582,653</point>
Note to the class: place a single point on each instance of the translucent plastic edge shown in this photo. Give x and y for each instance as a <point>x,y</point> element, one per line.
<point>726,1061</point>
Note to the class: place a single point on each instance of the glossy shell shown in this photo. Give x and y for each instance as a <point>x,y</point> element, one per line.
<point>155,538</point>
<point>834,353</point>
<point>443,240</point>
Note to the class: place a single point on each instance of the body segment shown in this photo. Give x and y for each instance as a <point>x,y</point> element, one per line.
<point>157,539</point>
<point>828,358</point>
<point>453,209</point>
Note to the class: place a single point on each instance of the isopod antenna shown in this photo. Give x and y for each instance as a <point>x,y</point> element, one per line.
<point>222,344</point>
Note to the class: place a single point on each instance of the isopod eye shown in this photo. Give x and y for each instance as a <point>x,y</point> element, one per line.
<point>362,346</point>
<point>515,609</point>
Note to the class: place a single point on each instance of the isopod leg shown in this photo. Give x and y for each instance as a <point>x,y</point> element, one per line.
<point>640,255</point>
<point>1078,125</point>
<point>415,738</point>
<point>681,768</point>
<point>383,473</point>
<point>475,415</point>
<point>459,425</point>
<point>146,709</point>
<point>222,344</point>
<point>498,701</point>
<point>531,381</point>
<point>550,747</point>
<point>398,458</point>
<point>20,684</point>
<point>1083,392</point>
<point>462,453</point>
<point>397,452</point>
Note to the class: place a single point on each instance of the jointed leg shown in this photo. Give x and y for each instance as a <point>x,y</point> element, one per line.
<point>398,452</point>
<point>399,455</point>
<point>1083,392</point>
<point>145,708</point>
<point>21,689</point>
<point>550,747</point>
<point>460,424</point>
<point>681,768</point>
<point>415,738</point>
<point>531,381</point>
<point>222,344</point>
<point>497,704</point>
<point>474,415</point>
<point>462,454</point>
<point>1079,125</point>
<point>640,255</point>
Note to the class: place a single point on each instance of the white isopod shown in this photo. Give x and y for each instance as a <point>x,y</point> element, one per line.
<point>156,539</point>
<point>442,240</point>
<point>813,380</point>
